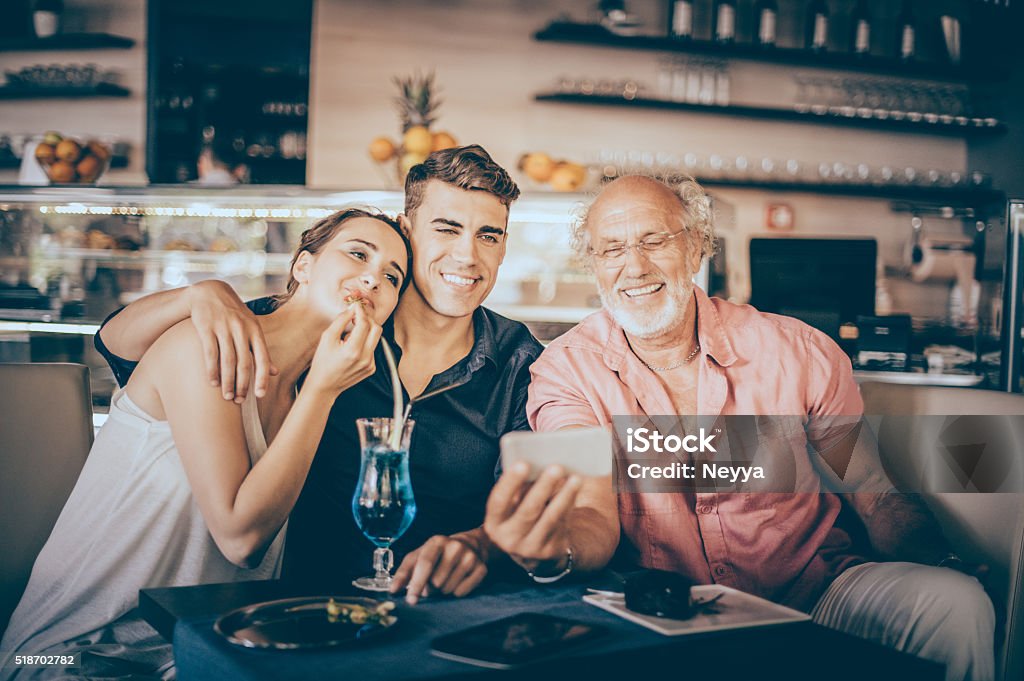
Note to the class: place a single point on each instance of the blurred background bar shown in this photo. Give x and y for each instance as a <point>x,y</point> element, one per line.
<point>863,155</point>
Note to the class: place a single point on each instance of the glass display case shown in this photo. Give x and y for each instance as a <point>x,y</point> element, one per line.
<point>75,255</point>
<point>71,256</point>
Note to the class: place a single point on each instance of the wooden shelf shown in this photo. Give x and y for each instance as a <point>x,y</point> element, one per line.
<point>765,113</point>
<point>67,41</point>
<point>598,36</point>
<point>13,163</point>
<point>101,90</point>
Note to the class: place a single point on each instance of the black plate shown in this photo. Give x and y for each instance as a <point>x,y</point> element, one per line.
<point>294,623</point>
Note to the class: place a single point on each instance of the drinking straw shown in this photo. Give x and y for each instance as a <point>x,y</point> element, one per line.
<point>398,422</point>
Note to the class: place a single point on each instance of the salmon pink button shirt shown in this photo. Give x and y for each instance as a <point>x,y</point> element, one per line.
<point>786,547</point>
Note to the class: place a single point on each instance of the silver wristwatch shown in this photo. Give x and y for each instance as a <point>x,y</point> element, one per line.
<point>554,578</point>
<point>952,561</point>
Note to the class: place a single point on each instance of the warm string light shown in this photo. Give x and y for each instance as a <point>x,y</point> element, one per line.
<point>557,212</point>
<point>198,211</point>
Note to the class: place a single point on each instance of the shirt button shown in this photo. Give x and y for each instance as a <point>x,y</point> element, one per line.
<point>721,571</point>
<point>704,509</point>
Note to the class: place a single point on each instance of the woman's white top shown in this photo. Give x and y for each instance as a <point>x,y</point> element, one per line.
<point>131,523</point>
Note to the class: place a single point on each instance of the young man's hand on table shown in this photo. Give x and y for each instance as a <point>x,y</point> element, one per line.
<point>535,523</point>
<point>452,565</point>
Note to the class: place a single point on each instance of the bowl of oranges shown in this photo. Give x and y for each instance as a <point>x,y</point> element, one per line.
<point>559,175</point>
<point>71,161</point>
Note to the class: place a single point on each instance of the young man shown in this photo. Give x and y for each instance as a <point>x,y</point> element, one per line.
<point>465,368</point>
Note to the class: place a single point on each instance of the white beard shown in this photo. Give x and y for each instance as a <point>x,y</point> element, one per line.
<point>649,322</point>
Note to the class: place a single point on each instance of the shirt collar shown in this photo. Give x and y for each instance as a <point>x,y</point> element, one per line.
<point>484,343</point>
<point>616,346</point>
<point>711,335</point>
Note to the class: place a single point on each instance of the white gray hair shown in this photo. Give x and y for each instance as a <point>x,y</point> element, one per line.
<point>698,217</point>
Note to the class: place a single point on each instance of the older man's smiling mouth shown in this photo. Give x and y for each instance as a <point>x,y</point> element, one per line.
<point>640,291</point>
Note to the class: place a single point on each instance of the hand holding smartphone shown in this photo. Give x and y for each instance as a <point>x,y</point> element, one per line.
<point>581,451</point>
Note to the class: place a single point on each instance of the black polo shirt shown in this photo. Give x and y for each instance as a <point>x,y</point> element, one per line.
<point>453,458</point>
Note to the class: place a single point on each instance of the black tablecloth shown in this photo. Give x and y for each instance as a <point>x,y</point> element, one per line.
<point>801,650</point>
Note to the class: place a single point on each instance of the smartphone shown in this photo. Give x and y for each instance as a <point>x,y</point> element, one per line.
<point>514,641</point>
<point>583,451</point>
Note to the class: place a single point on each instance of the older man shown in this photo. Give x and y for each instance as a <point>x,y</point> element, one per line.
<point>662,346</point>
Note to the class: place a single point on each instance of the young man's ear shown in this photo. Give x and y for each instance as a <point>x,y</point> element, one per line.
<point>302,266</point>
<point>405,224</point>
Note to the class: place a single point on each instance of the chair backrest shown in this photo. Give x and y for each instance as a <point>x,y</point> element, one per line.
<point>45,435</point>
<point>986,528</point>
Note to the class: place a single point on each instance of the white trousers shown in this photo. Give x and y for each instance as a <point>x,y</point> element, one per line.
<point>935,613</point>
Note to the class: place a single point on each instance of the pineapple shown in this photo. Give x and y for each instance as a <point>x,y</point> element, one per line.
<point>416,103</point>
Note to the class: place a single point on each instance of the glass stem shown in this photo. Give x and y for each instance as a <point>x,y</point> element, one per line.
<point>383,560</point>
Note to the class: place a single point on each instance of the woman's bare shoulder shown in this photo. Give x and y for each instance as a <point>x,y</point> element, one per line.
<point>179,343</point>
<point>176,355</point>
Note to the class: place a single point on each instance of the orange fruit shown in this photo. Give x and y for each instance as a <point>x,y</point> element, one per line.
<point>99,150</point>
<point>537,166</point>
<point>382,149</point>
<point>417,140</point>
<point>89,168</point>
<point>408,161</point>
<point>62,171</point>
<point>45,153</point>
<point>443,140</point>
<point>567,177</point>
<point>68,150</point>
<point>579,172</point>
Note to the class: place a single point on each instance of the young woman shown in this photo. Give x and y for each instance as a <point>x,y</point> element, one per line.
<point>183,487</point>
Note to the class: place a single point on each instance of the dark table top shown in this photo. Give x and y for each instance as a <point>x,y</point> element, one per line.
<point>799,650</point>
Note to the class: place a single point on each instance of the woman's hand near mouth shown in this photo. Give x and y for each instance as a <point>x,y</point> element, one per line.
<point>344,359</point>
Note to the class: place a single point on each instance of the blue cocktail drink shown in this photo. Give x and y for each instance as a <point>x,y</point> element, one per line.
<point>383,504</point>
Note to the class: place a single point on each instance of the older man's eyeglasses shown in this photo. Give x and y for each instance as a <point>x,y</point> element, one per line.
<point>615,251</point>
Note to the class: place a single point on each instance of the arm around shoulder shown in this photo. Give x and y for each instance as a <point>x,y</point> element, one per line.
<point>131,332</point>
<point>232,340</point>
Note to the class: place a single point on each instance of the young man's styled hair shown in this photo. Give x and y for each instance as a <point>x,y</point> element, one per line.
<point>469,168</point>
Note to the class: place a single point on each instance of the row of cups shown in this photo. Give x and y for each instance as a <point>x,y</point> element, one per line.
<point>788,171</point>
